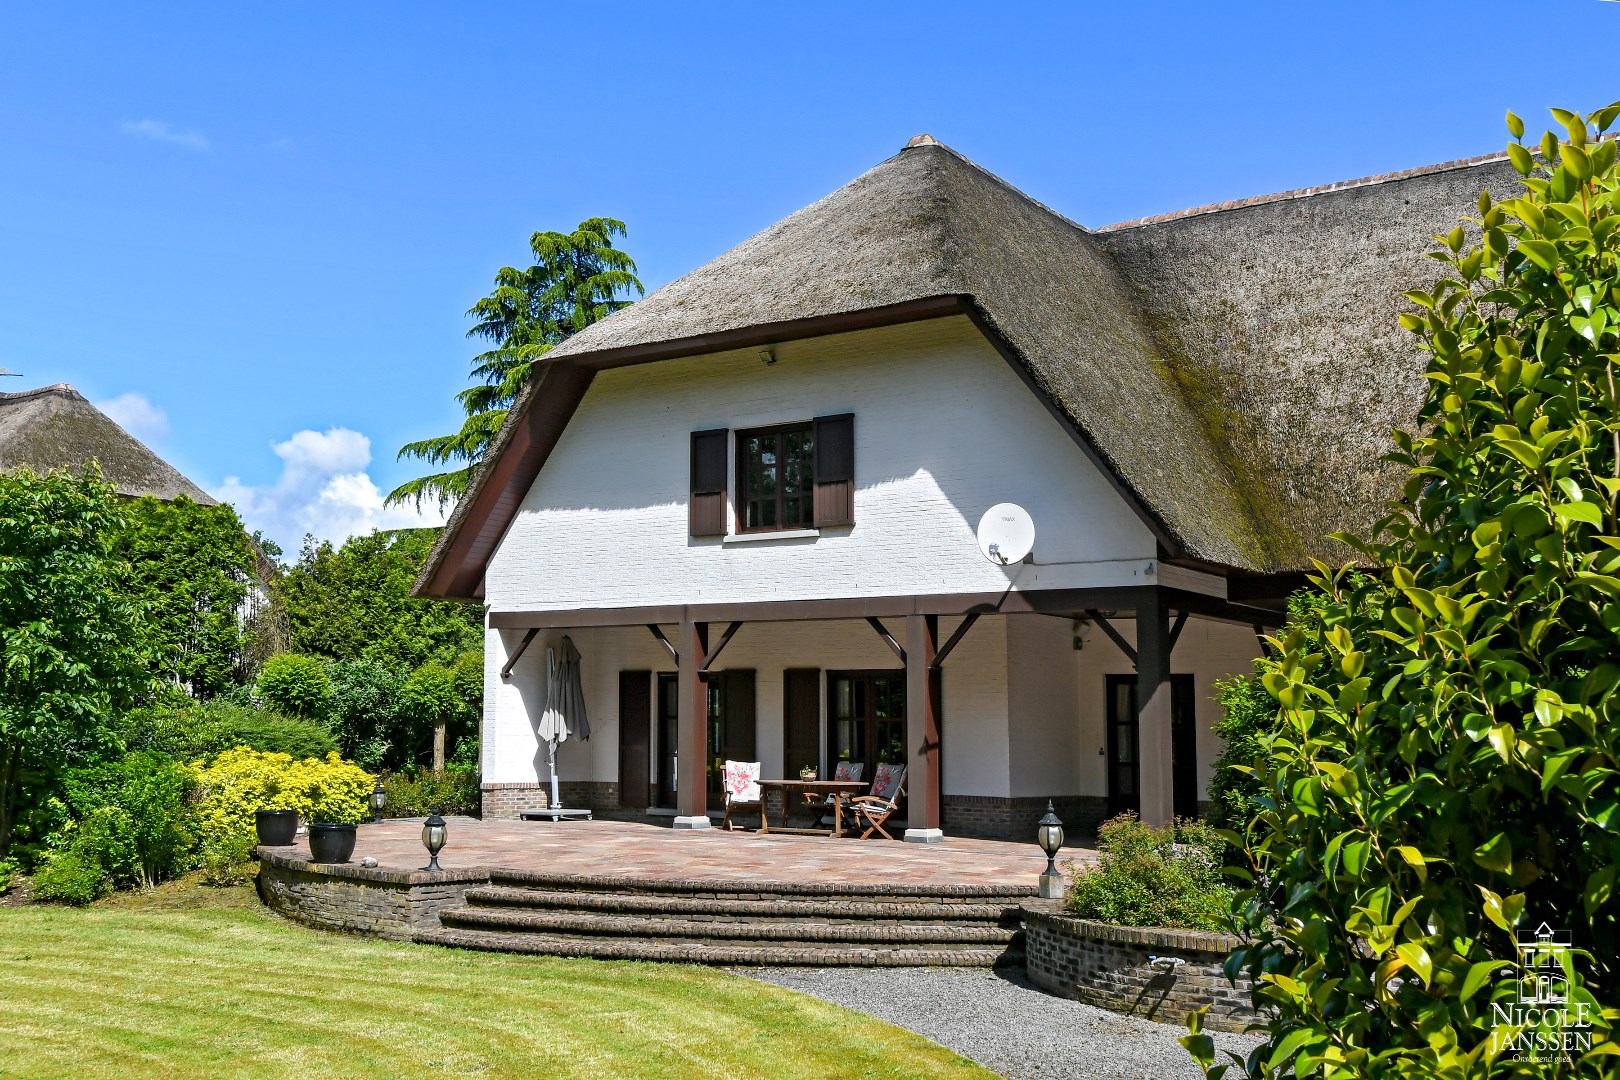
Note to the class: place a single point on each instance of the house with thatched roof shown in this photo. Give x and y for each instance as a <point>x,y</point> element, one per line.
<point>54,427</point>
<point>752,499</point>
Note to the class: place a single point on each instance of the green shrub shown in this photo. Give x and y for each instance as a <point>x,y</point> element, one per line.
<point>366,714</point>
<point>67,877</point>
<point>296,685</point>
<point>1248,712</point>
<point>130,816</point>
<point>1445,776</point>
<point>228,859</point>
<point>418,792</point>
<point>192,730</point>
<point>1167,876</point>
<point>240,782</point>
<point>8,871</point>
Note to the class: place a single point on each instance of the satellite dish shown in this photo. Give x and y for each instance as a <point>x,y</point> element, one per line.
<point>1006,534</point>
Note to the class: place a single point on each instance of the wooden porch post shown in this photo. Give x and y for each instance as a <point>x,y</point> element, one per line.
<point>922,731</point>
<point>1153,708</point>
<point>691,727</point>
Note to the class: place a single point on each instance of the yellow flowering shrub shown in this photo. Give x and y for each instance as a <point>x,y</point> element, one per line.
<point>238,782</point>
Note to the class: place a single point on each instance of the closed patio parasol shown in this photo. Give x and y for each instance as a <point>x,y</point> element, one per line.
<point>565,706</point>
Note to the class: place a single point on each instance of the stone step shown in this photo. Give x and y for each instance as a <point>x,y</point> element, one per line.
<point>727,955</point>
<point>824,908</point>
<point>743,889</point>
<point>798,932</point>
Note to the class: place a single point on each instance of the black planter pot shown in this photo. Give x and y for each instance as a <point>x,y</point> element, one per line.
<point>330,843</point>
<point>276,828</point>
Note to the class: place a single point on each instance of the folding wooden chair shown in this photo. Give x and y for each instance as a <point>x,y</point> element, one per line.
<point>888,788</point>
<point>741,788</point>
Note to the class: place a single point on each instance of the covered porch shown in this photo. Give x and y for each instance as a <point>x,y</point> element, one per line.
<point>1100,699</point>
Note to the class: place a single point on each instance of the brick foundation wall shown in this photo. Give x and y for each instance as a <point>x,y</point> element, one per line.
<point>1108,966</point>
<point>385,903</point>
<point>507,801</point>
<point>1001,818</point>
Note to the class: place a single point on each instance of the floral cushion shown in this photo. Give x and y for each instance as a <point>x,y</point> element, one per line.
<point>848,770</point>
<point>886,785</point>
<point>742,782</point>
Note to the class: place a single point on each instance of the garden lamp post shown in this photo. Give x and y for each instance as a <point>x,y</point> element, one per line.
<point>379,799</point>
<point>433,836</point>
<point>1049,835</point>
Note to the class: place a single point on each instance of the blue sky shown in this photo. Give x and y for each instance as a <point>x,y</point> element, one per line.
<point>253,233</point>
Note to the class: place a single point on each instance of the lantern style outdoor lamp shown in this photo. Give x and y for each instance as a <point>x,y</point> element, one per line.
<point>1050,836</point>
<point>379,799</point>
<point>433,837</point>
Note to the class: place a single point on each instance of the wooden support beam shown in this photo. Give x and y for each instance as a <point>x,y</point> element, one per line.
<point>882,631</point>
<point>713,654</point>
<point>665,642</point>
<point>922,730</point>
<point>511,662</point>
<point>1114,635</point>
<point>1175,628</point>
<point>691,730</point>
<point>950,643</point>
<point>1156,749</point>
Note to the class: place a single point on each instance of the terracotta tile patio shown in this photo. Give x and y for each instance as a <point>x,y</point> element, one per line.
<point>635,849</point>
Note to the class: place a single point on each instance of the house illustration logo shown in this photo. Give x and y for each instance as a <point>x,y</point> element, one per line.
<point>1544,953</point>
<point>1540,1022</point>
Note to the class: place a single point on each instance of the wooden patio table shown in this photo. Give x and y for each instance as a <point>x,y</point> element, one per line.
<point>838,789</point>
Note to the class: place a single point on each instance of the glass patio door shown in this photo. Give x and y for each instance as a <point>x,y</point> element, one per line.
<point>1125,746</point>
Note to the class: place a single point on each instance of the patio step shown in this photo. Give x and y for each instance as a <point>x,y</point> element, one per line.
<point>913,910</point>
<point>793,932</point>
<point>731,955</point>
<point>739,922</point>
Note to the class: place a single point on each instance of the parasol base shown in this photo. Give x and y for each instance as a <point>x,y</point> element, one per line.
<point>559,813</point>
<point>696,822</point>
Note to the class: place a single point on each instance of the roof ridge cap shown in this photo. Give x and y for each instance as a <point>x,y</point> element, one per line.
<point>54,388</point>
<point>993,178</point>
<point>1308,192</point>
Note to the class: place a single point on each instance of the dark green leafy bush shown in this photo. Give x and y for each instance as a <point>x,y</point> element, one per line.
<point>191,730</point>
<point>227,859</point>
<point>1167,876</point>
<point>295,685</point>
<point>1248,712</point>
<point>131,818</point>
<point>68,877</point>
<point>1446,772</point>
<point>366,714</point>
<point>416,792</point>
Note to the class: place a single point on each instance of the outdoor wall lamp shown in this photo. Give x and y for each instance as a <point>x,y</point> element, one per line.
<point>1049,835</point>
<point>379,799</point>
<point>433,837</point>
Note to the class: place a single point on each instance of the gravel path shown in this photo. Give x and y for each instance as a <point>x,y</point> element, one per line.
<point>1003,1022</point>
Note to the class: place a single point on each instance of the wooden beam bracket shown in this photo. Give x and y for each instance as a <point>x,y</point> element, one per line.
<point>714,653</point>
<point>950,642</point>
<point>882,631</point>
<point>1175,629</point>
<point>1114,635</point>
<point>506,668</point>
<point>665,642</point>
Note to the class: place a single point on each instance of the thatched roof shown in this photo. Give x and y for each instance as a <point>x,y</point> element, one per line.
<point>54,427</point>
<point>1237,370</point>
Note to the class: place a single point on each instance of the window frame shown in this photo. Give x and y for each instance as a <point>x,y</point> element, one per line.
<point>740,480</point>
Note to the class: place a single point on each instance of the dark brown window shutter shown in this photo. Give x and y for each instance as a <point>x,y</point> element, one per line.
<point>835,470</point>
<point>708,505</point>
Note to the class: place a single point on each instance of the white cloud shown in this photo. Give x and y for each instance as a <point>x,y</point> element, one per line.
<point>323,490</point>
<point>136,415</point>
<point>163,131</point>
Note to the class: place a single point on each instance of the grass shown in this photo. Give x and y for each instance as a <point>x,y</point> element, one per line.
<point>188,981</point>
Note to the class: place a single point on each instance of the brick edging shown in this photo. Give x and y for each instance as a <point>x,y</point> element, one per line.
<point>376,875</point>
<point>1151,937</point>
<point>629,883</point>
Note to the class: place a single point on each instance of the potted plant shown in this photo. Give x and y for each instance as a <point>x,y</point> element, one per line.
<point>809,772</point>
<point>331,841</point>
<point>276,828</point>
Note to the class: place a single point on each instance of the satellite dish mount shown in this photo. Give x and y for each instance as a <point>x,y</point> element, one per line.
<point>1006,534</point>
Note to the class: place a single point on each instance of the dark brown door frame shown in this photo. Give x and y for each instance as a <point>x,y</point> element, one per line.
<point>1184,752</point>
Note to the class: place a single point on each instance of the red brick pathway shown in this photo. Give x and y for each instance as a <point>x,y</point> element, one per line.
<point>635,849</point>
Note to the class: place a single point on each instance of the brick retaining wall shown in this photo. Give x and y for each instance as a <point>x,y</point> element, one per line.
<point>1108,966</point>
<point>386,903</point>
<point>507,801</point>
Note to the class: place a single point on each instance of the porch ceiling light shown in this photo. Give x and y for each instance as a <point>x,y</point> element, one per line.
<point>379,799</point>
<point>433,837</point>
<point>1049,834</point>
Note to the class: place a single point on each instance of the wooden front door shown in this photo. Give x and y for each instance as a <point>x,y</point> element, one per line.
<point>730,725</point>
<point>635,738</point>
<point>1125,746</point>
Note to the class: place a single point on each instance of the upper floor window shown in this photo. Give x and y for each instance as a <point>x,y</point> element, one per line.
<point>776,474</point>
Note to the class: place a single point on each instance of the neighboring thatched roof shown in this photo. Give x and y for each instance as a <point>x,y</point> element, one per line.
<point>54,427</point>
<point>1238,369</point>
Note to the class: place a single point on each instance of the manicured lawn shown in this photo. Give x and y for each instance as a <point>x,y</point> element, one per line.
<point>197,982</point>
